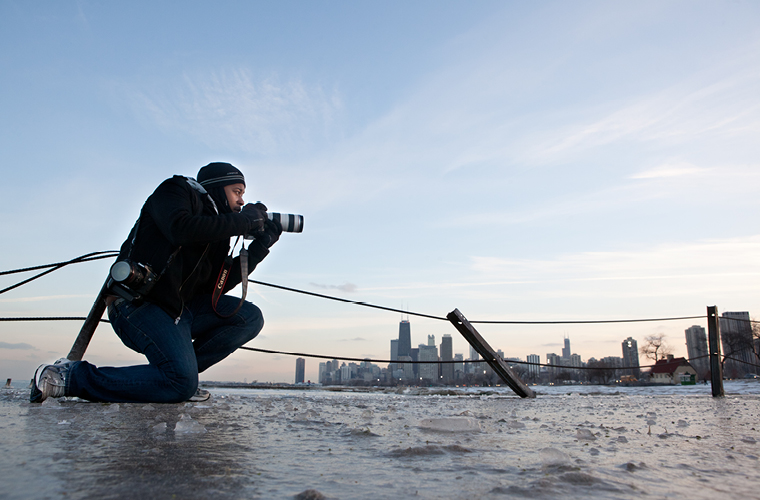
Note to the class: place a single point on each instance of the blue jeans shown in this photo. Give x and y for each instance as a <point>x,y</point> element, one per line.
<point>176,352</point>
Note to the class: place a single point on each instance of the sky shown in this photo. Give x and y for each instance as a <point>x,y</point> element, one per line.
<point>518,161</point>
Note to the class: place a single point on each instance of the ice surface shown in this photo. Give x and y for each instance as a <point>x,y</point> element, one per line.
<point>552,457</point>
<point>585,435</point>
<point>112,408</point>
<point>186,425</point>
<point>466,443</point>
<point>453,424</point>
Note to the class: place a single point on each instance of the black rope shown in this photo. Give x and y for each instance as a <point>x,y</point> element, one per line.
<point>347,301</point>
<point>465,361</point>
<point>586,322</point>
<point>84,258</point>
<point>50,318</point>
<point>339,299</point>
<point>54,267</point>
<point>361,360</point>
<point>741,361</point>
<point>111,253</point>
<point>752,321</point>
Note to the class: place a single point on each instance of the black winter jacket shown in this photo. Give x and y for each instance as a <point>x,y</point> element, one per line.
<point>177,215</point>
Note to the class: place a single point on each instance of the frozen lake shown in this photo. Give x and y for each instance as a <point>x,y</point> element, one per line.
<point>569,442</point>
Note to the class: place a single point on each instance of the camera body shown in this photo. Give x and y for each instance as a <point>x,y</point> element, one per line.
<point>291,223</point>
<point>131,280</point>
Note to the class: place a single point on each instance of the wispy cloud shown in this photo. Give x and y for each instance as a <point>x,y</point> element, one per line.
<point>22,346</point>
<point>345,287</point>
<point>734,256</point>
<point>238,109</point>
<point>702,106</point>
<point>676,169</point>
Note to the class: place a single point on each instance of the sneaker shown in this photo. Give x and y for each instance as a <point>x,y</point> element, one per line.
<point>200,395</point>
<point>49,381</point>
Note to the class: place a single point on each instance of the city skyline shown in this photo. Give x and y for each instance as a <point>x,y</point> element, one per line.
<point>427,365</point>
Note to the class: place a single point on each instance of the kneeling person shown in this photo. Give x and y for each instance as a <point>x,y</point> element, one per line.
<point>183,235</point>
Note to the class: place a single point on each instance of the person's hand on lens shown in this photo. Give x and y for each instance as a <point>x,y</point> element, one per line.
<point>255,216</point>
<point>270,234</point>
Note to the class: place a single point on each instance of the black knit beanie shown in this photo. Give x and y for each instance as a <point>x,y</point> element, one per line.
<point>219,174</point>
<point>214,177</point>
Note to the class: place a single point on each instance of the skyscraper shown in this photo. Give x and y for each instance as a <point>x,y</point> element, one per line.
<point>566,350</point>
<point>428,371</point>
<point>404,339</point>
<point>473,367</point>
<point>394,349</point>
<point>533,368</point>
<point>555,362</point>
<point>736,340</point>
<point>696,347</point>
<point>458,367</point>
<point>474,356</point>
<point>447,354</point>
<point>300,370</point>
<point>631,357</point>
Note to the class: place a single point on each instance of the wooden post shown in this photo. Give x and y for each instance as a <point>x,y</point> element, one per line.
<point>713,345</point>
<point>498,365</point>
<point>89,326</point>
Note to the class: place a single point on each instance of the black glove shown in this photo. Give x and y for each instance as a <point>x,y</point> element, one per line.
<point>270,234</point>
<point>256,216</point>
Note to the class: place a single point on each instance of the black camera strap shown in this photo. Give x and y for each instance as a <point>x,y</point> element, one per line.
<point>224,274</point>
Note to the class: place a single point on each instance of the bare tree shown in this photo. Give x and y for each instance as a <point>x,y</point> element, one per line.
<point>755,338</point>
<point>655,347</point>
<point>600,372</point>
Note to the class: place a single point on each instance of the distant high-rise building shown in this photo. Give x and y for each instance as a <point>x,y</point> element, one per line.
<point>300,370</point>
<point>394,349</point>
<point>428,371</point>
<point>631,357</point>
<point>404,339</point>
<point>566,350</point>
<point>415,357</point>
<point>575,361</point>
<point>458,367</point>
<point>474,356</point>
<point>431,340</point>
<point>555,362</point>
<point>322,371</point>
<point>447,354</point>
<point>736,340</point>
<point>473,367</point>
<point>696,348</point>
<point>406,368</point>
<point>612,362</point>
<point>533,367</point>
<point>345,373</point>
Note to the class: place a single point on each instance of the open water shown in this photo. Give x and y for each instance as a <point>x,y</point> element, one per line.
<point>569,442</point>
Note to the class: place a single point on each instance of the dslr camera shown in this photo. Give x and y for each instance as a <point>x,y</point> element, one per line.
<point>131,280</point>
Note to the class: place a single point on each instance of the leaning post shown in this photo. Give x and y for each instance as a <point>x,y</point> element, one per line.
<point>713,344</point>
<point>498,365</point>
<point>89,326</point>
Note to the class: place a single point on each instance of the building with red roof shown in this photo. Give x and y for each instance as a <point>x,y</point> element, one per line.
<point>670,370</point>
